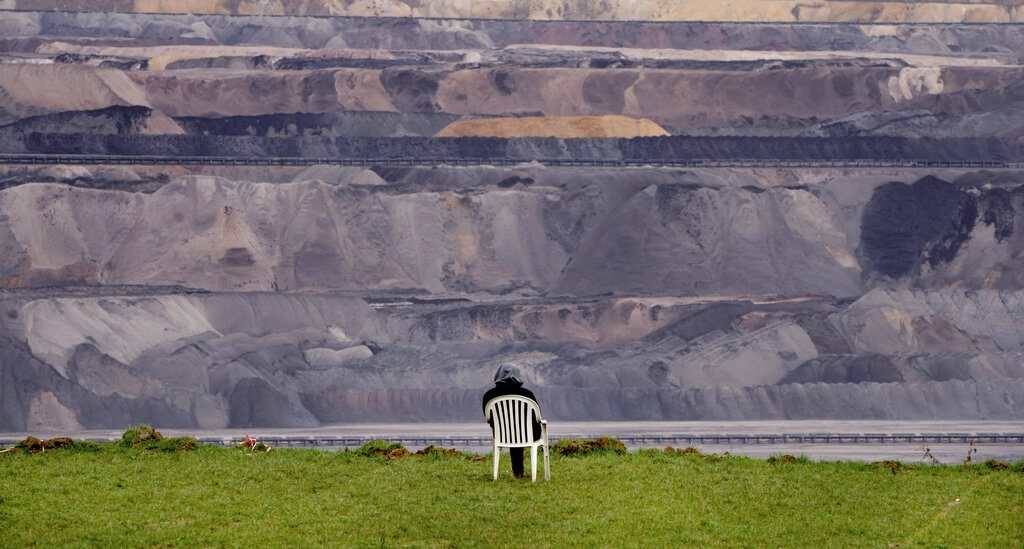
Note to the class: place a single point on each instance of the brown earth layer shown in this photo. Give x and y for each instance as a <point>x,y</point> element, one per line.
<point>813,97</point>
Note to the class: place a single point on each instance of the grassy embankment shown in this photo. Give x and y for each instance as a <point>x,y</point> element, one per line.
<point>113,496</point>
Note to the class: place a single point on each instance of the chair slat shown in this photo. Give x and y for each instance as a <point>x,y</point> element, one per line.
<point>509,427</point>
<point>508,421</point>
<point>519,422</point>
<point>523,424</point>
<point>504,422</point>
<point>515,423</point>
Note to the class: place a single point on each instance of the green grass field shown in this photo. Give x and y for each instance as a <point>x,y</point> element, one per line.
<point>221,496</point>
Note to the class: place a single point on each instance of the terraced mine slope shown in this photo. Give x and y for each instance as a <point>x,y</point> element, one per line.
<point>240,295</point>
<point>892,11</point>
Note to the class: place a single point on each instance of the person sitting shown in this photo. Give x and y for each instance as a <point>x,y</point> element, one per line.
<point>509,381</point>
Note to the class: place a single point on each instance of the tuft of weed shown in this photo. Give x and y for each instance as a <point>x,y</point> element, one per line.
<point>971,450</point>
<point>583,447</point>
<point>692,452</point>
<point>995,464</point>
<point>378,448</point>
<point>435,452</point>
<point>175,444</point>
<point>448,453</point>
<point>58,442</point>
<point>30,444</point>
<point>145,437</point>
<point>688,451</point>
<point>399,453</point>
<point>893,465</point>
<point>139,436</point>
<point>34,445</point>
<point>85,446</point>
<point>928,455</point>
<point>569,446</point>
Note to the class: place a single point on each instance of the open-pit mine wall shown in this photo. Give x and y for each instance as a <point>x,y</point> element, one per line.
<point>301,77</point>
<point>347,294</point>
<point>232,296</point>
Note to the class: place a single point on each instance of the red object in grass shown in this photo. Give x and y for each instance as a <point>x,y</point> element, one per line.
<point>253,444</point>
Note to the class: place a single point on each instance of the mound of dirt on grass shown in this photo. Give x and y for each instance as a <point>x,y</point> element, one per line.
<point>140,435</point>
<point>555,126</point>
<point>692,452</point>
<point>145,437</point>
<point>577,447</point>
<point>378,448</point>
<point>894,466</point>
<point>434,451</point>
<point>34,445</point>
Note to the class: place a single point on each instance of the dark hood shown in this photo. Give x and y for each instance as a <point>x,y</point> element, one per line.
<point>509,374</point>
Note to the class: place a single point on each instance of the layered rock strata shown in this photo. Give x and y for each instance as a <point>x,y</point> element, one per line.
<point>340,78</point>
<point>425,278</point>
<point>825,11</point>
<point>532,230</point>
<point>206,296</point>
<point>288,360</point>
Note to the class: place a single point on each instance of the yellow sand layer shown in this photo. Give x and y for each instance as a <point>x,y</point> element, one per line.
<point>819,11</point>
<point>555,126</point>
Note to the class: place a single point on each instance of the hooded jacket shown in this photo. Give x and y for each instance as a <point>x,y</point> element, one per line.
<point>509,381</point>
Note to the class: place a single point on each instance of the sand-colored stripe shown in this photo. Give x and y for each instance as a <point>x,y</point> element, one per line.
<point>555,126</point>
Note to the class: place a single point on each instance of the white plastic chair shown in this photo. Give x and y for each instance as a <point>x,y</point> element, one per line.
<point>513,428</point>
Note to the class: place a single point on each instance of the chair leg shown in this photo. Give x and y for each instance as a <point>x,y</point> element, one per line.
<point>533,462</point>
<point>496,455</point>
<point>547,465</point>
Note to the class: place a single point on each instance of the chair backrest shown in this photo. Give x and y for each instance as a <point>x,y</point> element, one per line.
<point>513,418</point>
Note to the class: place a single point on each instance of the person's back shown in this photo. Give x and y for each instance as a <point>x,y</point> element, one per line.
<point>509,381</point>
